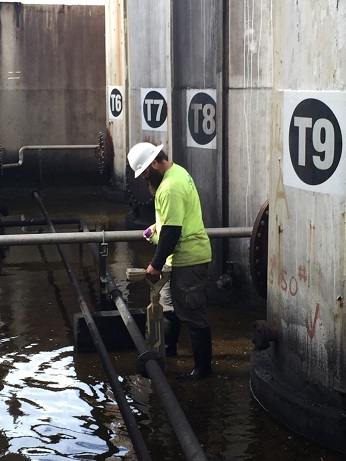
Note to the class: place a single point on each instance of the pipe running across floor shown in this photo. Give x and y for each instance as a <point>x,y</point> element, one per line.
<point>150,359</point>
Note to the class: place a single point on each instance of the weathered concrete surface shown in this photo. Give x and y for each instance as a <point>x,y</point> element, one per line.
<point>306,271</point>
<point>52,84</point>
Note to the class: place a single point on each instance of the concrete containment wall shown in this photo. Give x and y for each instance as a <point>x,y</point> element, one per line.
<point>52,85</point>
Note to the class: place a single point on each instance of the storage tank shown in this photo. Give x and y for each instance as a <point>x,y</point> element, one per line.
<point>298,367</point>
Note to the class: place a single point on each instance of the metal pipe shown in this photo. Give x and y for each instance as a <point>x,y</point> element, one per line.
<point>180,424</point>
<point>39,148</point>
<point>175,414</point>
<point>229,232</point>
<point>129,419</point>
<point>107,236</point>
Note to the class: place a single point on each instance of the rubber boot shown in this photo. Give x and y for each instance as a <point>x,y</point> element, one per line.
<point>172,327</point>
<point>202,352</point>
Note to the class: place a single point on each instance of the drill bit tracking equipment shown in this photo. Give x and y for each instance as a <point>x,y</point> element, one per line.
<point>155,320</point>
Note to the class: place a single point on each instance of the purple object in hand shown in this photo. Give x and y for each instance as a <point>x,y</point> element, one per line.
<point>147,233</point>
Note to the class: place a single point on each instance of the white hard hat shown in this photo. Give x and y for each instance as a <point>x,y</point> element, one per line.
<point>141,155</point>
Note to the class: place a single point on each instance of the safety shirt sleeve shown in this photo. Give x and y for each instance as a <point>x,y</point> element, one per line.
<point>169,237</point>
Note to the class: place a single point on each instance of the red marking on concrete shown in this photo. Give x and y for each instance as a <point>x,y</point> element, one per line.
<point>293,282</point>
<point>302,273</point>
<point>312,330</point>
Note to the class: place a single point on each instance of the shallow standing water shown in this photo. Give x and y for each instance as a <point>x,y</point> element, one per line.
<point>56,404</point>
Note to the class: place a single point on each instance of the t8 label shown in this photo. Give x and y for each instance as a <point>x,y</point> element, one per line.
<point>201,118</point>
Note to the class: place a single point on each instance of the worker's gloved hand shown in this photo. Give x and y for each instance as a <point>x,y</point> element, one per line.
<point>152,271</point>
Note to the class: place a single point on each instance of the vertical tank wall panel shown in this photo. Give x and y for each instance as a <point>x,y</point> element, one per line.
<point>116,79</point>
<point>197,46</point>
<point>197,57</point>
<point>300,379</point>
<point>149,90</point>
<point>248,169</point>
<point>51,92</point>
<point>148,58</point>
<point>247,133</point>
<point>196,41</point>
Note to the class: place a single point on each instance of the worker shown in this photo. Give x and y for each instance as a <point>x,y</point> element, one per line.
<point>182,244</point>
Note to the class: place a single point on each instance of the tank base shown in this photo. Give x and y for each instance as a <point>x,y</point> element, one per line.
<point>315,420</point>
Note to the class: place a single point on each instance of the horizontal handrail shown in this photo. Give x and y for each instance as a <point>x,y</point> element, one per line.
<point>105,236</point>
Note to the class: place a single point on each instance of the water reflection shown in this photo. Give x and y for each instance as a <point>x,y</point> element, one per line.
<point>48,413</point>
<point>57,405</point>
